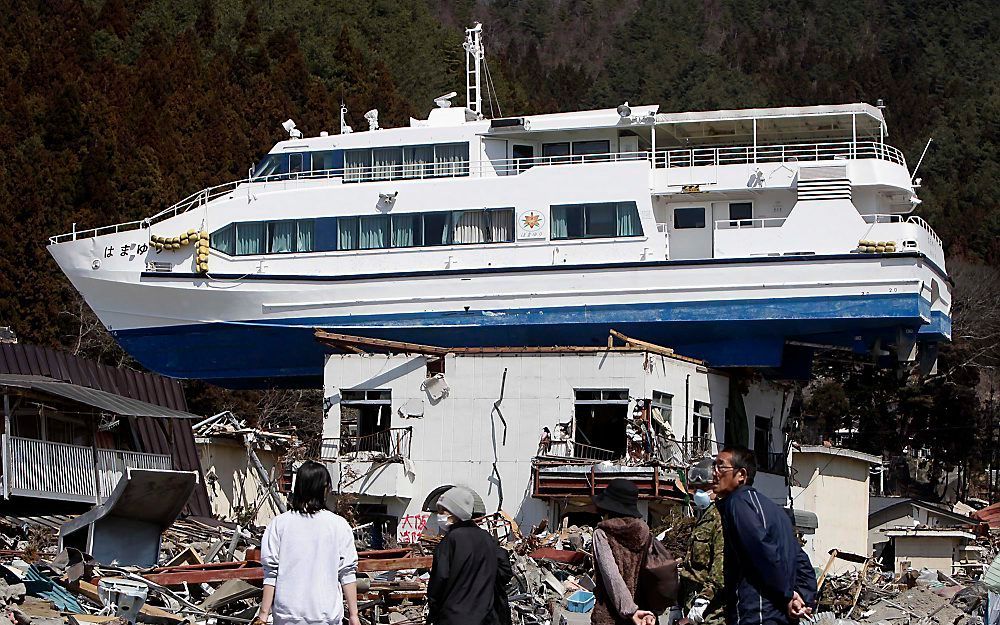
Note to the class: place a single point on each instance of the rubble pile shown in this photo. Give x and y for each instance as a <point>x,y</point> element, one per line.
<point>925,597</point>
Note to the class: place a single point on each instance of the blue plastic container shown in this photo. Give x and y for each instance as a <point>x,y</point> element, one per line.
<point>580,601</point>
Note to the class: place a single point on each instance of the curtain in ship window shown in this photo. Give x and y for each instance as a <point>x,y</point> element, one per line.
<point>304,240</point>
<point>418,161</point>
<point>250,238</point>
<point>471,227</point>
<point>559,226</point>
<point>405,230</point>
<point>502,225</point>
<point>281,235</point>
<point>357,165</point>
<point>451,159</point>
<point>223,239</point>
<point>374,232</point>
<point>387,163</point>
<point>347,233</point>
<point>628,220</point>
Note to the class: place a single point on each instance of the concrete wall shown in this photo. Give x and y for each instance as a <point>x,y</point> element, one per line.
<point>835,488</point>
<point>460,437</point>
<point>236,483</point>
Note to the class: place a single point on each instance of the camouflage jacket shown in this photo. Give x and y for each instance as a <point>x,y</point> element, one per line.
<point>701,573</point>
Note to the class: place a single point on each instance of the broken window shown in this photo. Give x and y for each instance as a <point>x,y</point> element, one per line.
<point>661,411</point>
<point>600,416</point>
<point>365,420</point>
<point>766,461</point>
<point>701,428</point>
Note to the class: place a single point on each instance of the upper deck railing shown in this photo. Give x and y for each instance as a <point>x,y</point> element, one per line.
<point>793,152</point>
<point>661,158</point>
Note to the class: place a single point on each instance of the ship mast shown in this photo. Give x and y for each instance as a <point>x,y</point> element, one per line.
<point>473,61</point>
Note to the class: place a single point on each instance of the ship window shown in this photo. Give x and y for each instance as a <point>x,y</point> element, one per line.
<point>451,159</point>
<point>324,161</point>
<point>325,234</point>
<point>298,163</point>
<point>357,165</point>
<point>591,147</point>
<point>600,220</point>
<point>250,238</point>
<point>407,231</point>
<point>604,219</point>
<point>471,227</point>
<point>693,217</point>
<point>224,239</point>
<point>501,225</point>
<point>555,149</point>
<point>437,228</point>
<point>304,235</point>
<point>271,165</point>
<point>281,237</point>
<point>387,163</point>
<point>741,213</point>
<point>347,233</point>
<point>374,232</point>
<point>418,161</point>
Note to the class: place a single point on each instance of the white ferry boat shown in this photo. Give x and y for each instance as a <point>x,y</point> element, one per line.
<point>747,238</point>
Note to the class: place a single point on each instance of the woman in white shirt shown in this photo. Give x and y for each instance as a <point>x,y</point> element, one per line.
<point>307,552</point>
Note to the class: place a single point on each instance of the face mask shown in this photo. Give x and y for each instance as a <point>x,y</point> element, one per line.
<point>443,520</point>
<point>702,499</point>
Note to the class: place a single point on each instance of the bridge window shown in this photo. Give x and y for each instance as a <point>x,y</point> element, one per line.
<point>271,165</point>
<point>604,219</point>
<point>693,217</point>
<point>325,161</point>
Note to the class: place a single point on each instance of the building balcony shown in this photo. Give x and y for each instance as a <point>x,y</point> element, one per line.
<point>44,470</point>
<point>564,478</point>
<point>391,444</point>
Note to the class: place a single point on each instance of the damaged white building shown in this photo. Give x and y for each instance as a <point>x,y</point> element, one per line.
<point>534,431</point>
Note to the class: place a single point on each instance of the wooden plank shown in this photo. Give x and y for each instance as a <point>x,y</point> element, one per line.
<point>653,347</point>
<point>338,340</point>
<point>176,578</point>
<point>395,564</point>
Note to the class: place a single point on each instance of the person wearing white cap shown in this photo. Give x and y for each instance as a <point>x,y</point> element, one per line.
<point>464,570</point>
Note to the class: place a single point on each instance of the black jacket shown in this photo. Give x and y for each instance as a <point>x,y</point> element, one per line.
<point>764,562</point>
<point>463,577</point>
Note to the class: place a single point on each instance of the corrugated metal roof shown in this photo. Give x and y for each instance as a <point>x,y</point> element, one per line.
<point>116,404</point>
<point>21,359</point>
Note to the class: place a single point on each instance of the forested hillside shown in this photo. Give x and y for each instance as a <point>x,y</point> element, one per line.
<point>114,109</point>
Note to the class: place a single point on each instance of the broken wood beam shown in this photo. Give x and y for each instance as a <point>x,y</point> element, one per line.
<point>653,347</point>
<point>341,340</point>
<point>395,564</point>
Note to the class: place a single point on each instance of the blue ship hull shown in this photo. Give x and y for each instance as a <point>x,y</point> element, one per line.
<point>738,333</point>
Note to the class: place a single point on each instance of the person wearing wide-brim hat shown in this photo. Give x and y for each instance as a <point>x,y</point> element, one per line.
<point>620,544</point>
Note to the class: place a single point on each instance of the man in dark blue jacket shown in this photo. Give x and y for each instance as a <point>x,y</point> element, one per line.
<point>769,579</point>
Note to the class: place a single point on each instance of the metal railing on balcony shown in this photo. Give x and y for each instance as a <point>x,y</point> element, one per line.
<point>34,468</point>
<point>111,465</point>
<point>393,443</point>
<point>891,218</point>
<point>742,155</point>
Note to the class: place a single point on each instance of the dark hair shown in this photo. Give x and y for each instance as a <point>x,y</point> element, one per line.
<point>312,484</point>
<point>745,459</point>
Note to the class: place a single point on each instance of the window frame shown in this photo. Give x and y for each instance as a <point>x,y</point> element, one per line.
<point>585,208</point>
<point>676,224</point>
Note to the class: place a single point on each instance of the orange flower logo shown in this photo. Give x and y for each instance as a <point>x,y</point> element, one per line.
<point>532,220</point>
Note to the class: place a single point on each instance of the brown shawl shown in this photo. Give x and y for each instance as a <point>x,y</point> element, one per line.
<point>628,539</point>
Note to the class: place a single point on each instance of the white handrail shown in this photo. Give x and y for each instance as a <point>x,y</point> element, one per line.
<point>891,218</point>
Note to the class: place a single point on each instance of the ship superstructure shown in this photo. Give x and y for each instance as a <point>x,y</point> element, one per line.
<point>742,237</point>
